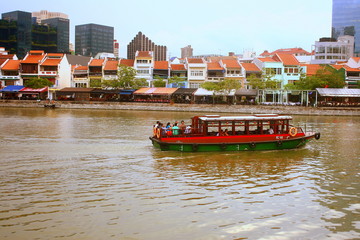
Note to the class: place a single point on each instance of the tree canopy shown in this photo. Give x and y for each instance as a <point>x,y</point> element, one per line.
<point>266,81</point>
<point>38,83</point>
<point>326,77</point>
<point>125,79</point>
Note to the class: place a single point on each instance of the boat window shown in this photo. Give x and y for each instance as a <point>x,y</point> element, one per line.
<point>213,128</point>
<point>239,127</point>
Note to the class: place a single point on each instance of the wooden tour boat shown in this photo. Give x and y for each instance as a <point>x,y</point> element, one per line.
<point>233,133</point>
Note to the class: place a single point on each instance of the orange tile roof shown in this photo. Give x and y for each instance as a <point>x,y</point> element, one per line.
<point>51,62</point>
<point>195,60</point>
<point>291,51</point>
<point>9,56</point>
<point>178,67</point>
<point>311,69</point>
<point>231,63</point>
<point>127,62</point>
<point>96,63</point>
<point>164,65</point>
<point>215,66</point>
<point>266,59</point>
<point>33,59</point>
<point>250,67</point>
<point>55,54</point>
<point>356,59</point>
<point>111,65</point>
<point>13,65</point>
<point>82,68</point>
<point>349,69</point>
<point>286,59</point>
<point>36,52</point>
<point>164,91</point>
<point>145,54</point>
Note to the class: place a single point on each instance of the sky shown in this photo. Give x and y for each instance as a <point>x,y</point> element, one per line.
<point>209,26</point>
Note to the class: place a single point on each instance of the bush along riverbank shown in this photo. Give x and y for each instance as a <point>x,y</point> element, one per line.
<point>204,108</point>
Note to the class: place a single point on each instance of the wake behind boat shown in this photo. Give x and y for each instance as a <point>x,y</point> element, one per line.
<point>232,133</point>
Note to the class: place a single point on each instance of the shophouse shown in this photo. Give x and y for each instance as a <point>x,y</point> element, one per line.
<point>144,65</point>
<point>197,71</point>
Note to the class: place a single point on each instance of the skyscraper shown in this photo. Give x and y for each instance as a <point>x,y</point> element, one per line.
<point>91,39</point>
<point>15,32</point>
<point>186,51</point>
<point>62,26</point>
<point>143,43</point>
<point>346,20</point>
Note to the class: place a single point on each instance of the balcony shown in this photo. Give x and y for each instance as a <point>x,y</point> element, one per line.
<point>48,73</point>
<point>215,79</point>
<point>9,77</point>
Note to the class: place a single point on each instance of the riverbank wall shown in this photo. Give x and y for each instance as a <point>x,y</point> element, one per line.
<point>203,108</point>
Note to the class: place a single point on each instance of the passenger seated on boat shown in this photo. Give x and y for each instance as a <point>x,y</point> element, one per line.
<point>175,129</point>
<point>271,131</point>
<point>188,130</point>
<point>221,133</point>
<point>226,133</point>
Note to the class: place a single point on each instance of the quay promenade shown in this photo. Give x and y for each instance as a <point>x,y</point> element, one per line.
<point>201,108</point>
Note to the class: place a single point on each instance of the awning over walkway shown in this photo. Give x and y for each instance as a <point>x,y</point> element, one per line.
<point>12,88</point>
<point>33,90</point>
<point>70,90</point>
<point>185,91</point>
<point>338,92</point>
<point>127,91</point>
<point>203,92</point>
<point>144,91</point>
<point>164,91</point>
<point>246,92</point>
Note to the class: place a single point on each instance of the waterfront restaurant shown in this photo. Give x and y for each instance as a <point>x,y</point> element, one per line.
<point>338,97</point>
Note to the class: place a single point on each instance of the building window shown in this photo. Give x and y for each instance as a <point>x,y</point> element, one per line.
<point>143,72</point>
<point>271,71</point>
<point>196,73</point>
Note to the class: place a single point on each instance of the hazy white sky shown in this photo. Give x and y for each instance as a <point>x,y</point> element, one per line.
<point>209,26</point>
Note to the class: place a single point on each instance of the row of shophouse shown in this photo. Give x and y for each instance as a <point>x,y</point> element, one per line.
<point>69,71</point>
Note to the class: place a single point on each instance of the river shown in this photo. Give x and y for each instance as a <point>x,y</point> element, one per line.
<point>93,174</point>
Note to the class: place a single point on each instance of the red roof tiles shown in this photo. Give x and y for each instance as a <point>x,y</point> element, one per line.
<point>266,59</point>
<point>164,65</point>
<point>127,62</point>
<point>33,59</point>
<point>96,63</point>
<point>250,67</point>
<point>231,63</point>
<point>311,69</point>
<point>11,65</point>
<point>215,66</point>
<point>286,59</point>
<point>144,54</point>
<point>51,62</point>
<point>178,67</point>
<point>195,60</point>
<point>111,65</point>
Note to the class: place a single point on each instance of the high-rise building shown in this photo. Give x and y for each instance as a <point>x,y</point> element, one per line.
<point>116,48</point>
<point>91,39</point>
<point>346,20</point>
<point>62,26</point>
<point>143,43</point>
<point>186,51</point>
<point>44,14</point>
<point>15,32</point>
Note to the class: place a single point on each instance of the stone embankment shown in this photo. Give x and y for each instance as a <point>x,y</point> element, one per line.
<point>205,108</point>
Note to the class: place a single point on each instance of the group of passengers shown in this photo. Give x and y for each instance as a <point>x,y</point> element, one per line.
<point>169,129</point>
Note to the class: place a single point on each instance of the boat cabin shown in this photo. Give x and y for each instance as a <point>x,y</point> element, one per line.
<point>215,125</point>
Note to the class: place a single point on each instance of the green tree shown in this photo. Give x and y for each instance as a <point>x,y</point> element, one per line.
<point>324,77</point>
<point>223,87</point>
<point>38,83</point>
<point>177,80</point>
<point>125,79</point>
<point>159,82</point>
<point>266,81</point>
